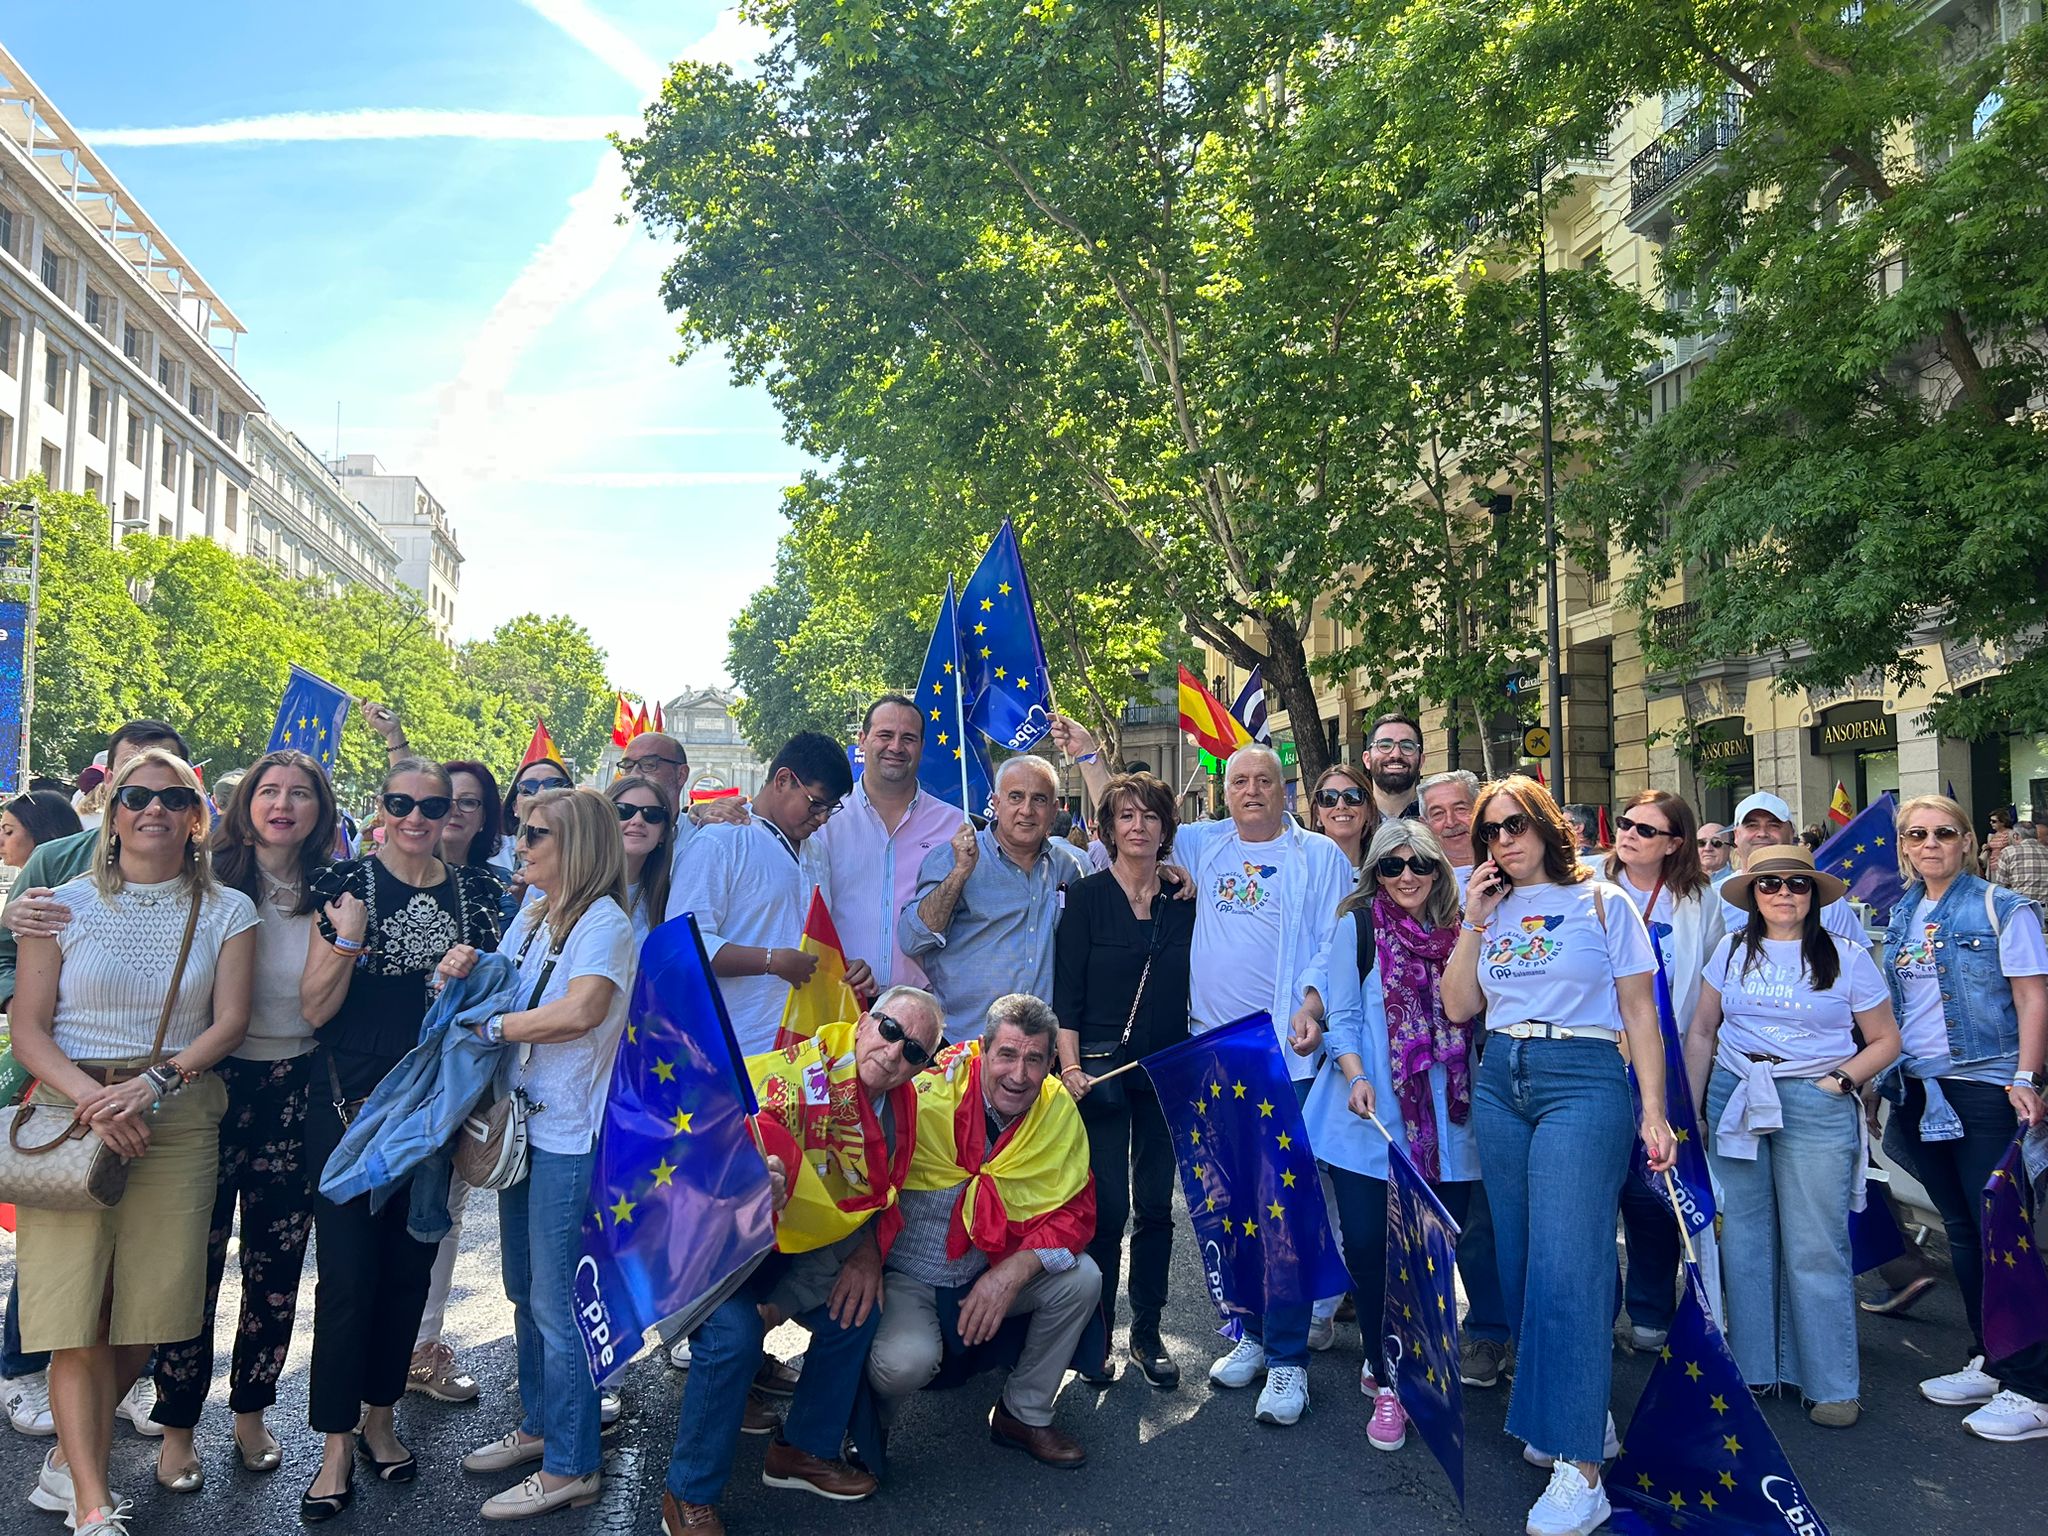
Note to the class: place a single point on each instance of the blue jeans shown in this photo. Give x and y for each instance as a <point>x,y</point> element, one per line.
<point>13,1360</point>
<point>725,1352</point>
<point>1486,1313</point>
<point>540,1222</point>
<point>1785,1242</point>
<point>1556,1127</point>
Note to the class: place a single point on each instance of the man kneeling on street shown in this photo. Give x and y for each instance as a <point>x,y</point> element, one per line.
<point>837,1112</point>
<point>997,1212</point>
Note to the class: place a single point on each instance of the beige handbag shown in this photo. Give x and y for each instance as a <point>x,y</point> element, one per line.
<point>52,1161</point>
<point>491,1149</point>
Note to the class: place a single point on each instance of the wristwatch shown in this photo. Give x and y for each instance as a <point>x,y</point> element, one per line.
<point>1848,1083</point>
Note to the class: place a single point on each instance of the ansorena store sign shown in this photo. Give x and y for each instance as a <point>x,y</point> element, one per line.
<point>1860,727</point>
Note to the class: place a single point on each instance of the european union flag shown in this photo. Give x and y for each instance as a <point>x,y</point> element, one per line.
<point>2015,1282</point>
<point>309,718</point>
<point>1420,1328</point>
<point>1689,1175</point>
<point>944,695</point>
<point>679,1199</point>
<point>1012,696</point>
<point>1865,855</point>
<point>1247,1170</point>
<point>1874,1236</point>
<point>1698,1455</point>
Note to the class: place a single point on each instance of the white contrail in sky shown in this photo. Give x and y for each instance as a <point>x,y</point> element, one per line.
<point>367,123</point>
<point>605,42</point>
<point>658,479</point>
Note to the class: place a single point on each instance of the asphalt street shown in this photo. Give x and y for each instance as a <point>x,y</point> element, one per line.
<point>1191,1460</point>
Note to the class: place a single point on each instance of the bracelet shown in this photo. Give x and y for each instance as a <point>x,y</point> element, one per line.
<point>1088,757</point>
<point>1357,1080</point>
<point>1072,1066</point>
<point>494,1029</point>
<point>768,965</point>
<point>1475,927</point>
<point>346,946</point>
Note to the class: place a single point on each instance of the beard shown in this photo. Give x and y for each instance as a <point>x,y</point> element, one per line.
<point>1396,778</point>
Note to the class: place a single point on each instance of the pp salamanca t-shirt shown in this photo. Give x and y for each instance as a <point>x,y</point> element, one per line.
<point>1546,955</point>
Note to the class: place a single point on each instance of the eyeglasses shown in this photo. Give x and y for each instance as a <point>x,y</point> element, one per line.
<point>469,805</point>
<point>1391,866</point>
<point>1329,798</point>
<point>653,815</point>
<point>530,834</point>
<point>1513,826</point>
<point>1644,829</point>
<point>1394,744</point>
<point>895,1034</point>
<point>1941,834</point>
<point>176,799</point>
<point>398,807</point>
<point>1797,885</point>
<point>640,764</point>
<point>535,786</point>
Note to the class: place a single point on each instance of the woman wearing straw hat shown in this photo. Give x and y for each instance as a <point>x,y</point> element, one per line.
<point>1773,1055</point>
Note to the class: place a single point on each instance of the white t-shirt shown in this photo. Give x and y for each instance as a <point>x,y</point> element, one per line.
<point>1464,876</point>
<point>571,1077</point>
<point>743,886</point>
<point>1923,1031</point>
<point>1544,956</point>
<point>1238,930</point>
<point>1773,1010</point>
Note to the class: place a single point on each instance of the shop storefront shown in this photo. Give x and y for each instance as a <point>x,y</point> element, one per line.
<point>1859,743</point>
<point>1724,758</point>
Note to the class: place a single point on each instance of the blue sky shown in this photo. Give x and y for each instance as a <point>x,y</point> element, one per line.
<point>466,299</point>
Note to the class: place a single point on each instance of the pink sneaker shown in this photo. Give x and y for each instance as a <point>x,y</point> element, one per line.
<point>1366,1384</point>
<point>1389,1428</point>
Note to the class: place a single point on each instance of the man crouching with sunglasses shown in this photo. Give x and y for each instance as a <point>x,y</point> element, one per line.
<point>839,1112</point>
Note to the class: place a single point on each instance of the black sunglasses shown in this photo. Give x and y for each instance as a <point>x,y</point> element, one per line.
<point>895,1034</point>
<point>530,834</point>
<point>1642,828</point>
<point>1391,866</point>
<point>1328,798</point>
<point>639,764</point>
<point>433,807</point>
<point>133,797</point>
<point>1512,826</point>
<point>1798,885</point>
<point>653,815</point>
<point>535,786</point>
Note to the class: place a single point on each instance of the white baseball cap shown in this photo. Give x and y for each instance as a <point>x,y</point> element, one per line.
<point>1763,801</point>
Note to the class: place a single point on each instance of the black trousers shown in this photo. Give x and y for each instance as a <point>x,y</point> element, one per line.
<point>1130,1152</point>
<point>263,1170</point>
<point>371,1292</point>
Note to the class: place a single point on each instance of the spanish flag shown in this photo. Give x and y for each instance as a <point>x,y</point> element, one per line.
<point>1841,809</point>
<point>622,721</point>
<point>825,998</point>
<point>1214,728</point>
<point>541,748</point>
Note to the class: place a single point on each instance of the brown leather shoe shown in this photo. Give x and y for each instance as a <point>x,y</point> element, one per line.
<point>760,1417</point>
<point>787,1467</point>
<point>679,1518</point>
<point>1041,1443</point>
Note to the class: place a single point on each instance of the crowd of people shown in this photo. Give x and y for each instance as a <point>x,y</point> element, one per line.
<point>217,994</point>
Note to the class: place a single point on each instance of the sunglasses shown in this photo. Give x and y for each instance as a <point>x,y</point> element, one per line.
<point>1328,798</point>
<point>535,786</point>
<point>641,764</point>
<point>895,1034</point>
<point>1644,829</point>
<point>653,815</point>
<point>1797,885</point>
<point>1391,866</point>
<point>133,797</point>
<point>1512,826</point>
<point>530,834</point>
<point>398,807</point>
<point>1941,834</point>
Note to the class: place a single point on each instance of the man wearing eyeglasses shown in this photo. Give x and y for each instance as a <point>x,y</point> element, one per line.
<point>1714,840</point>
<point>750,886</point>
<point>1393,760</point>
<point>1765,821</point>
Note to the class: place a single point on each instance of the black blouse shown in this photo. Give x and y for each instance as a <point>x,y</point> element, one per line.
<point>1100,954</point>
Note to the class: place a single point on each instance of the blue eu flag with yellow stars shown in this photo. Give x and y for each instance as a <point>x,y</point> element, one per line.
<point>1698,1455</point>
<point>1011,701</point>
<point>1865,855</point>
<point>1690,1184</point>
<point>309,718</point>
<point>2015,1282</point>
<point>1419,1331</point>
<point>1261,1230</point>
<point>679,1201</point>
<point>950,750</point>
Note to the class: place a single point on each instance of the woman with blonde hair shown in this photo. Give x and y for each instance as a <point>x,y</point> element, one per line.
<point>122,1017</point>
<point>575,951</point>
<point>1342,809</point>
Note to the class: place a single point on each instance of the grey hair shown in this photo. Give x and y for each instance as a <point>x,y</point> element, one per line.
<point>1032,1015</point>
<point>917,995</point>
<point>1255,749</point>
<point>1463,778</point>
<point>1391,836</point>
<point>1033,762</point>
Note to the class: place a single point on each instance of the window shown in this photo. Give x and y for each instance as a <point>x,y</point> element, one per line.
<point>131,344</point>
<point>53,377</point>
<point>228,425</point>
<point>53,465</point>
<point>53,271</point>
<point>163,527</point>
<point>167,471</point>
<point>200,477</point>
<point>96,411</point>
<point>131,513</point>
<point>6,445</point>
<point>96,486</point>
<point>7,345</point>
<point>97,310</point>
<point>7,230</point>
<point>233,500</point>
<point>195,401</point>
<point>134,438</point>
<point>166,372</point>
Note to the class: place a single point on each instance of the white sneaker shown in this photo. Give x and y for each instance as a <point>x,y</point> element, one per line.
<point>1959,1389</point>
<point>679,1354</point>
<point>1610,1447</point>
<point>609,1406</point>
<point>54,1491</point>
<point>1242,1366</point>
<point>1647,1340</point>
<point>1570,1506</point>
<point>2009,1417</point>
<point>28,1404</point>
<point>1284,1398</point>
<point>135,1405</point>
<point>1322,1333</point>
<point>107,1520</point>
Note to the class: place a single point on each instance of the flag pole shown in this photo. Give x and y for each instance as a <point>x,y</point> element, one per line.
<point>1671,1193</point>
<point>960,705</point>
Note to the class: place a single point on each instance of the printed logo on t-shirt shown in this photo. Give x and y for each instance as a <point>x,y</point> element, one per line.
<point>1246,892</point>
<point>1527,948</point>
<point>1918,959</point>
<point>1769,984</point>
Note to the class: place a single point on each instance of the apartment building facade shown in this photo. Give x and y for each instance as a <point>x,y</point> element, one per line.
<point>304,521</point>
<point>419,528</point>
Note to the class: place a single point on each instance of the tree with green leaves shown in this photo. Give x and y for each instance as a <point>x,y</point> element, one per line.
<point>532,666</point>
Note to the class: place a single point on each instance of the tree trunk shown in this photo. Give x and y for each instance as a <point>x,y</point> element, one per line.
<point>1287,673</point>
<point>1485,743</point>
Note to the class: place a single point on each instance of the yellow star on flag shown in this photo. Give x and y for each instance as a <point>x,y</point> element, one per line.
<point>1274,1210</point>
<point>1209,1204</point>
<point>665,1070</point>
<point>623,1211</point>
<point>1718,1403</point>
<point>1003,587</point>
<point>1693,1371</point>
<point>1877,842</point>
<point>1287,1177</point>
<point>1677,1500</point>
<point>1265,1109</point>
<point>1200,1169</point>
<point>1023,682</point>
<point>681,1121</point>
<point>1195,1136</point>
<point>1643,1481</point>
<point>938,688</point>
<point>1286,1141</point>
<point>1664,1354</point>
<point>935,714</point>
<point>1708,1502</point>
<point>1000,673</point>
<point>1731,1445</point>
<point>1237,1090</point>
<point>982,629</point>
<point>632,1035</point>
<point>1201,1106</point>
<point>986,605</point>
<point>986,653</point>
<point>1860,848</point>
<point>1250,1227</point>
<point>1215,1090</point>
<point>944,739</point>
<point>664,1174</point>
<point>1728,1481</point>
<point>948,667</point>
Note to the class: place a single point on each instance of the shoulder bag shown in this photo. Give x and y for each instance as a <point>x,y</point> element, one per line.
<point>1110,1096</point>
<point>53,1161</point>
<point>491,1146</point>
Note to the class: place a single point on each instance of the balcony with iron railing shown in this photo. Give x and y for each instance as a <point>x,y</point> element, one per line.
<point>1656,173</point>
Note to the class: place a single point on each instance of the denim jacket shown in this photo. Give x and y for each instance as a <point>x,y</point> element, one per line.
<point>1976,996</point>
<point>404,1128</point>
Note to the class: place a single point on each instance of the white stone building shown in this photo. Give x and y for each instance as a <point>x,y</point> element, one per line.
<point>305,522</point>
<point>429,559</point>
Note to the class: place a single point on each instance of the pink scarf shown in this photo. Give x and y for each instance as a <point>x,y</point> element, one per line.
<point>1411,960</point>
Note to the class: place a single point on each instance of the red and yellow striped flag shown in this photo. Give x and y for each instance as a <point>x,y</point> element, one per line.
<point>825,998</point>
<point>622,720</point>
<point>1841,809</point>
<point>1214,728</point>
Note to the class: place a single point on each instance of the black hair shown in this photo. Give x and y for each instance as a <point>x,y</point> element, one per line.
<point>484,846</point>
<point>44,814</point>
<point>1391,717</point>
<point>815,759</point>
<point>1817,952</point>
<point>146,733</point>
<point>868,719</point>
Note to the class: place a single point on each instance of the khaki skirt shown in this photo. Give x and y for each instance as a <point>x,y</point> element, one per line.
<point>149,1251</point>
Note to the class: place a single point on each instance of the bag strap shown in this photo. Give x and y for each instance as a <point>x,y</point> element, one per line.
<point>163,1022</point>
<point>73,1130</point>
<point>540,986</point>
<point>1600,905</point>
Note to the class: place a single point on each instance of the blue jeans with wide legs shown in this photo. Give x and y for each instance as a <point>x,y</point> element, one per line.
<point>540,1224</point>
<point>1785,1241</point>
<point>1555,1127</point>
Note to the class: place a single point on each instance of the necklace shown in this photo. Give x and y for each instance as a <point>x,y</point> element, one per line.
<point>280,893</point>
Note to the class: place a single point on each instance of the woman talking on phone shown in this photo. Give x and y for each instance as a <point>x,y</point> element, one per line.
<point>1561,965</point>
